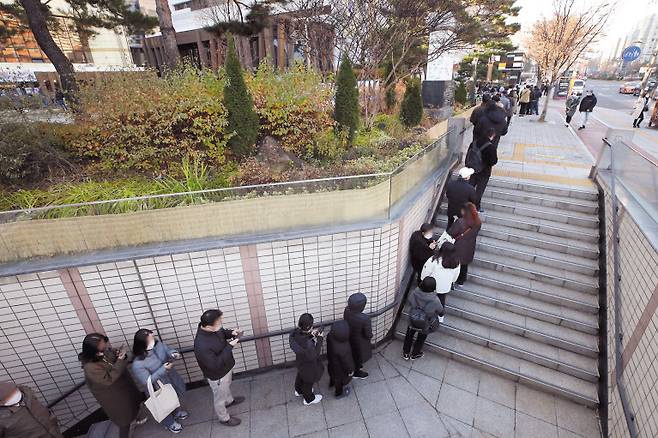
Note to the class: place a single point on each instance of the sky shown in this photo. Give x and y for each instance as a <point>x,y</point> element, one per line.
<point>627,13</point>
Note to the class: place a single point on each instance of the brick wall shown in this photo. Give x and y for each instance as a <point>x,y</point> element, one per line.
<point>639,300</point>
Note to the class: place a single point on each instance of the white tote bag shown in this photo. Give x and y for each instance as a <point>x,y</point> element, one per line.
<point>161,402</point>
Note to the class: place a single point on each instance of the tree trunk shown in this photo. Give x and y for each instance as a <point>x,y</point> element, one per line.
<point>549,95</point>
<point>38,25</point>
<point>172,56</point>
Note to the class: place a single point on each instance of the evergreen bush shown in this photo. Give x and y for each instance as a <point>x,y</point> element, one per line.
<point>461,94</point>
<point>411,110</point>
<point>346,110</point>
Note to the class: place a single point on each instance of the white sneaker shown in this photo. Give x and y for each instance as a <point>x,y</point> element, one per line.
<point>317,399</point>
<point>175,428</point>
<point>440,318</point>
<point>297,394</point>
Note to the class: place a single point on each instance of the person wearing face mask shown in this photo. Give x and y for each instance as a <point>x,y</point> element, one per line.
<point>213,348</point>
<point>306,343</point>
<point>106,375</point>
<point>586,107</point>
<point>459,191</point>
<point>155,359</point>
<point>421,247</point>
<point>22,416</point>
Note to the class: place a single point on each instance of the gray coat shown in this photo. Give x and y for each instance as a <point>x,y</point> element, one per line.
<point>153,365</point>
<point>428,301</point>
<point>572,104</point>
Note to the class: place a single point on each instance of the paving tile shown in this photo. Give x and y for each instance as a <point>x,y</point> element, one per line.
<point>303,420</point>
<point>241,431</point>
<point>343,411</point>
<point>462,376</point>
<point>375,399</point>
<point>271,422</point>
<point>457,403</point>
<point>240,387</point>
<point>564,433</point>
<point>456,428</point>
<point>388,425</point>
<point>267,391</point>
<point>497,389</point>
<point>404,394</point>
<point>494,418</point>
<point>388,370</point>
<point>577,418</point>
<point>536,403</point>
<point>527,426</point>
<point>374,374</point>
<point>319,434</point>
<point>423,421</point>
<point>350,430</point>
<point>432,365</point>
<point>200,430</point>
<point>427,386</point>
<point>198,402</point>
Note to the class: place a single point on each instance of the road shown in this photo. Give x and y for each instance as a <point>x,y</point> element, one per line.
<point>614,110</point>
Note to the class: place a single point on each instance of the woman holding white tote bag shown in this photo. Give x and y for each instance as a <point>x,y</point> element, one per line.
<point>154,365</point>
<point>443,266</point>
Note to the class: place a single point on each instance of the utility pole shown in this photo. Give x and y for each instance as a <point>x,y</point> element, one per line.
<point>474,76</point>
<point>648,73</point>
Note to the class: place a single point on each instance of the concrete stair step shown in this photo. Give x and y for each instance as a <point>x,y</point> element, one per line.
<point>444,342</point>
<point>584,302</point>
<point>542,199</point>
<point>530,307</point>
<point>562,190</point>
<point>542,226</point>
<point>537,272</point>
<point>533,239</point>
<point>523,327</point>
<point>541,212</point>
<point>511,250</point>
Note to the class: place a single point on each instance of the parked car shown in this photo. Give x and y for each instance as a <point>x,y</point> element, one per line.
<point>647,90</point>
<point>628,87</point>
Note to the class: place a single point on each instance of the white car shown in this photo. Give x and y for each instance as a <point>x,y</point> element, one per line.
<point>578,86</point>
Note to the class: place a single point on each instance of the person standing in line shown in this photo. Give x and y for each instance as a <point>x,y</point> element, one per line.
<point>534,100</point>
<point>641,105</point>
<point>22,416</point>
<point>424,299</point>
<point>465,232</point>
<point>339,356</point>
<point>507,105</point>
<point>421,246</point>
<point>524,100</point>
<point>360,332</point>
<point>477,112</point>
<point>106,375</point>
<point>587,105</point>
<point>513,97</point>
<point>444,268</point>
<point>306,343</point>
<point>213,348</point>
<point>458,192</point>
<point>155,359</point>
<point>571,107</point>
<point>488,147</point>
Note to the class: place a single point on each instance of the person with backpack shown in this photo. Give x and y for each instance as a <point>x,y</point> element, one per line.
<point>482,155</point>
<point>360,332</point>
<point>458,192</point>
<point>339,356</point>
<point>444,268</point>
<point>306,343</point>
<point>477,112</point>
<point>465,231</point>
<point>424,310</point>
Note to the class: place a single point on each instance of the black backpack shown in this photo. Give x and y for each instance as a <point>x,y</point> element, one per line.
<point>474,156</point>
<point>418,318</point>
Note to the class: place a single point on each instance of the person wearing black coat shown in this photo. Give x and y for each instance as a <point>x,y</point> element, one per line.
<point>492,116</point>
<point>307,345</point>
<point>465,231</point>
<point>459,191</point>
<point>360,332</point>
<point>587,105</point>
<point>479,180</point>
<point>339,356</point>
<point>477,112</point>
<point>213,348</point>
<point>421,247</point>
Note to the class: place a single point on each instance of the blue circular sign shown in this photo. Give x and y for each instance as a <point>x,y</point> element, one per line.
<point>631,53</point>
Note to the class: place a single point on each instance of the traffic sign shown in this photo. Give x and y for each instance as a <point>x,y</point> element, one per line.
<point>630,53</point>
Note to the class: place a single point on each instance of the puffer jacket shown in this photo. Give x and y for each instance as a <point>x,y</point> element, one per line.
<point>307,350</point>
<point>428,302</point>
<point>492,117</point>
<point>360,328</point>
<point>152,364</point>
<point>339,353</point>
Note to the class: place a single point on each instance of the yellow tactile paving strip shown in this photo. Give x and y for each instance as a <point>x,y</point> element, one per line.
<point>519,154</point>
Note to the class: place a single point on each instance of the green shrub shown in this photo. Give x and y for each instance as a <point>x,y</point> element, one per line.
<point>294,106</point>
<point>461,93</point>
<point>242,118</point>
<point>390,124</point>
<point>411,110</point>
<point>346,111</point>
<point>28,151</point>
<point>136,122</point>
<point>331,145</point>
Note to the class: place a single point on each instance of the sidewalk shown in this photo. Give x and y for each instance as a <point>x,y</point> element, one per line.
<point>432,397</point>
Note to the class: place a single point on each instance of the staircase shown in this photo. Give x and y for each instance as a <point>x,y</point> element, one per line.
<point>529,310</point>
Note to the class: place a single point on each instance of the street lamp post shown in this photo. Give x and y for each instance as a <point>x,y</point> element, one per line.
<point>474,77</point>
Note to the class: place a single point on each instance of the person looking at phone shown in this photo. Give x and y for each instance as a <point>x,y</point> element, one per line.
<point>306,342</point>
<point>105,370</point>
<point>155,359</point>
<point>421,247</point>
<point>213,348</point>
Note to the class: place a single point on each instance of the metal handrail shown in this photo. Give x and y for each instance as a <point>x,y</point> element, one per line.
<point>375,314</point>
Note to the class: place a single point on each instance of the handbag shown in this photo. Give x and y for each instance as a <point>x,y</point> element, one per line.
<point>161,402</point>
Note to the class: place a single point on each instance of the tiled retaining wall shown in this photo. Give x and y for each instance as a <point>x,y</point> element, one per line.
<point>639,301</point>
<point>261,284</point>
